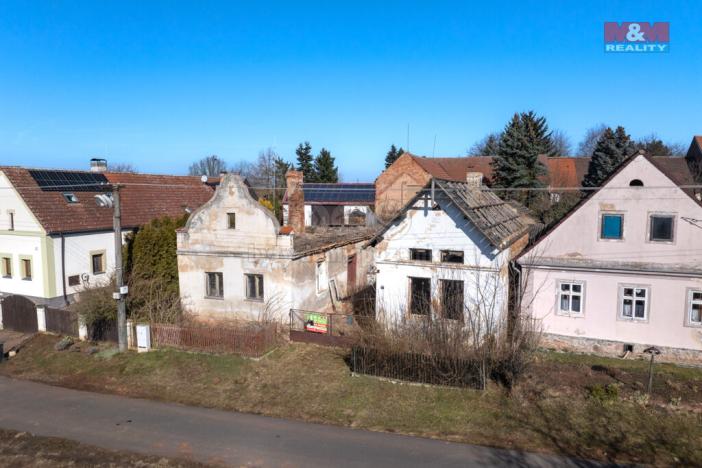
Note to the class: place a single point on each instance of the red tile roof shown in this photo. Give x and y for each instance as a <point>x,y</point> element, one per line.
<point>143,197</point>
<point>562,171</point>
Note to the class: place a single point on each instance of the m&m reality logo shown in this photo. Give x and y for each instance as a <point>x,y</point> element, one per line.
<point>637,37</point>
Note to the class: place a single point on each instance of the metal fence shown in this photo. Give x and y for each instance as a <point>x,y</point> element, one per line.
<point>414,367</point>
<point>323,328</point>
<point>253,340</point>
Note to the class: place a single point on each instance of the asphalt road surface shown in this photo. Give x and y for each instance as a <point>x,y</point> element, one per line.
<point>229,438</point>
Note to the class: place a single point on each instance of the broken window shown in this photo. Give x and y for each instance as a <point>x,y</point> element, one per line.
<point>7,267</point>
<point>634,302</point>
<point>98,263</point>
<point>254,287</point>
<point>612,226</point>
<point>26,269</point>
<point>214,286</point>
<point>452,299</point>
<point>322,275</point>
<point>694,307</point>
<point>420,296</point>
<point>231,220</point>
<point>423,255</point>
<point>452,256</point>
<point>570,297</point>
<point>661,228</point>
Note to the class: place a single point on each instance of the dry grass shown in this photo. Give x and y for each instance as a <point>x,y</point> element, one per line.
<point>550,411</point>
<point>21,449</point>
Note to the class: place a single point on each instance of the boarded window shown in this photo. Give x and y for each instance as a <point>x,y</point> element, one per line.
<point>452,299</point>
<point>452,256</point>
<point>661,228</point>
<point>612,226</point>
<point>98,263</point>
<point>231,220</point>
<point>7,267</point>
<point>423,255</point>
<point>420,296</point>
<point>254,287</point>
<point>214,286</point>
<point>26,269</point>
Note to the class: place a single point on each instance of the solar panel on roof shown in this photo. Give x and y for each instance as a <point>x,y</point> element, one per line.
<point>56,181</point>
<point>339,193</point>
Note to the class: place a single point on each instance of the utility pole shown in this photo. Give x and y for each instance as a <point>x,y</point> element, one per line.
<point>121,292</point>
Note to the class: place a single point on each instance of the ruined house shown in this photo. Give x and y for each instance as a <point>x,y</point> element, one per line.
<point>447,253</point>
<point>236,262</point>
<point>338,204</point>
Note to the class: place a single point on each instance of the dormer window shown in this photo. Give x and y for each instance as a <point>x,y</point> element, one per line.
<point>70,197</point>
<point>231,220</point>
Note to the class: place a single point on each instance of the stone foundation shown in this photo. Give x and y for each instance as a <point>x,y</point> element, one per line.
<point>616,349</point>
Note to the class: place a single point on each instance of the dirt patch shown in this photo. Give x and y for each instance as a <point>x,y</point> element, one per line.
<point>21,449</point>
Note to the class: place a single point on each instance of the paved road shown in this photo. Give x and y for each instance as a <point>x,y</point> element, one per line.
<point>230,438</point>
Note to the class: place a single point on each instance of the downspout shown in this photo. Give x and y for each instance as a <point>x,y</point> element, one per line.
<point>63,267</point>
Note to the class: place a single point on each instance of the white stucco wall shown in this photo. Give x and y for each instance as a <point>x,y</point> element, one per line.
<point>576,240</point>
<point>483,271</point>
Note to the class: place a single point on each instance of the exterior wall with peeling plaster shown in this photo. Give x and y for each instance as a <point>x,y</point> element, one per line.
<point>577,240</point>
<point>483,270</point>
<point>207,244</point>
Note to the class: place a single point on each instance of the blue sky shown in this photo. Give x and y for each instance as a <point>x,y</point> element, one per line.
<point>161,84</point>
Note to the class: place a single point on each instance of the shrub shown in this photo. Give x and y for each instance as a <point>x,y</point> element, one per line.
<point>604,393</point>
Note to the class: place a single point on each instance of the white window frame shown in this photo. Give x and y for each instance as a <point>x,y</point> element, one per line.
<point>622,297</point>
<point>688,307</point>
<point>322,276</point>
<point>570,293</point>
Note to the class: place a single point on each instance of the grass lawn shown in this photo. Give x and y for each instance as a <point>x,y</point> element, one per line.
<point>21,449</point>
<point>569,404</point>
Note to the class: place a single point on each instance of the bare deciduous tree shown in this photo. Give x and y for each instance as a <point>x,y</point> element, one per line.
<point>122,167</point>
<point>561,143</point>
<point>587,146</point>
<point>210,166</point>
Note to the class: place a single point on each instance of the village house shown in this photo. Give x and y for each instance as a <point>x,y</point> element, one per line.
<point>397,184</point>
<point>622,271</point>
<point>55,239</point>
<point>236,262</point>
<point>336,204</point>
<point>447,253</point>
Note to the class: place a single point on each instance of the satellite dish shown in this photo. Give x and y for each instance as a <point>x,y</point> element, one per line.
<point>203,179</point>
<point>103,201</point>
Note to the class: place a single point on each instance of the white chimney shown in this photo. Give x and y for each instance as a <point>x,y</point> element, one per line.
<point>98,165</point>
<point>474,179</point>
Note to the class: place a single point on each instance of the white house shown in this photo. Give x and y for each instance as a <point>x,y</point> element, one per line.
<point>55,239</point>
<point>235,262</point>
<point>622,271</point>
<point>448,252</point>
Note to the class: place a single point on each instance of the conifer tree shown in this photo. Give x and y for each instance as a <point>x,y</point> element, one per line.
<point>612,148</point>
<point>324,168</point>
<point>517,164</point>
<point>392,155</point>
<point>305,161</point>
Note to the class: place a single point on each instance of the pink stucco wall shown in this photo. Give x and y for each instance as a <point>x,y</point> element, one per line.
<point>669,269</point>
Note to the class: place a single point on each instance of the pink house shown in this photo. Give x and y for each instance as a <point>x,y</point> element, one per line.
<point>623,270</point>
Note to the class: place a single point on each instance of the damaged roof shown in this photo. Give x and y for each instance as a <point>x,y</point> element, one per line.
<point>317,239</point>
<point>498,220</point>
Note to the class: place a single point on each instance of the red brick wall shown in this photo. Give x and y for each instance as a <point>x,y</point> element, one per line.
<point>397,185</point>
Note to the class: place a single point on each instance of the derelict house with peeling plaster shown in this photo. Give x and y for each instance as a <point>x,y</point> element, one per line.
<point>235,261</point>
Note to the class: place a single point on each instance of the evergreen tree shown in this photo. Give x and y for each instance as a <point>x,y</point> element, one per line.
<point>305,161</point>
<point>517,164</point>
<point>392,155</point>
<point>324,168</point>
<point>612,148</point>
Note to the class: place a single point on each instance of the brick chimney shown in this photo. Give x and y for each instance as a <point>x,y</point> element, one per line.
<point>296,201</point>
<point>474,179</point>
